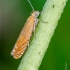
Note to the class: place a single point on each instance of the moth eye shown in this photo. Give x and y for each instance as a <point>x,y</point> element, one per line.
<point>36,14</point>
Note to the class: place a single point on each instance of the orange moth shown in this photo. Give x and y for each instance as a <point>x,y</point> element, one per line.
<point>24,37</point>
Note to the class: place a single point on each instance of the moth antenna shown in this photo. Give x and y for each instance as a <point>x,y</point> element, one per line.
<point>30,5</point>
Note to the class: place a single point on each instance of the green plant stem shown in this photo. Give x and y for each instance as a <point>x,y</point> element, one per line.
<point>51,13</point>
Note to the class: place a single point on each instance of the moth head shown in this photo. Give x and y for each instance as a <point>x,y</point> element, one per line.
<point>35,13</point>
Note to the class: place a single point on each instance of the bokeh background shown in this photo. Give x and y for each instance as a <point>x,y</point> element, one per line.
<point>13,15</point>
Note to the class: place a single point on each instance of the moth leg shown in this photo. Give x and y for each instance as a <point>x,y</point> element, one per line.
<point>28,44</point>
<point>42,21</point>
<point>35,23</point>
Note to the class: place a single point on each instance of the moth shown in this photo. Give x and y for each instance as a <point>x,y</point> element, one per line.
<point>25,35</point>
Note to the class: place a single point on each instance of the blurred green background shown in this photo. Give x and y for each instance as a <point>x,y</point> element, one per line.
<point>13,15</point>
